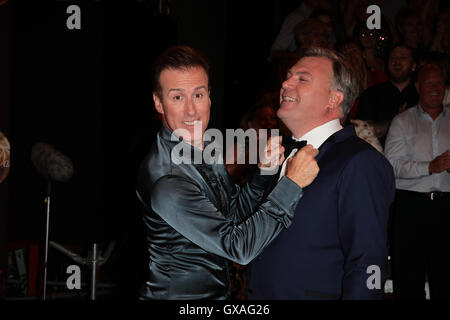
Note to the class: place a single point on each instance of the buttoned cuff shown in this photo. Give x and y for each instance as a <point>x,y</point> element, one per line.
<point>423,168</point>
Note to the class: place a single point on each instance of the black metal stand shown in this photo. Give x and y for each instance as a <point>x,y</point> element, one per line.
<point>94,259</point>
<point>47,228</point>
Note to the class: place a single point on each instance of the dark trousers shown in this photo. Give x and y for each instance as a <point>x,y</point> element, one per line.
<point>420,245</point>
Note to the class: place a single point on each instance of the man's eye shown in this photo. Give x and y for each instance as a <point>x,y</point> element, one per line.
<point>176,98</point>
<point>303,79</point>
<point>199,95</point>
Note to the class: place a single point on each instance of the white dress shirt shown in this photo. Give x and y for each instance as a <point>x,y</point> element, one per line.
<point>316,137</point>
<point>446,97</point>
<point>413,141</point>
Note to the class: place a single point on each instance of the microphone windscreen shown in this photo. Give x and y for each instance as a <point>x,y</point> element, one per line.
<point>59,167</point>
<point>39,152</point>
<point>50,163</point>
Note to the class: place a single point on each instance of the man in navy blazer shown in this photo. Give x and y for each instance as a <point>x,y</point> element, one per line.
<point>336,247</point>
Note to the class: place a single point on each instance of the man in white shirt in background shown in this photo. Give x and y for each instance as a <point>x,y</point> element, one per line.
<point>417,146</point>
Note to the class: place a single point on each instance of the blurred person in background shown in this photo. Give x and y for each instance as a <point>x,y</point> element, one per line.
<point>418,147</point>
<point>441,38</point>
<point>381,103</point>
<point>262,115</point>
<point>285,40</point>
<point>4,157</point>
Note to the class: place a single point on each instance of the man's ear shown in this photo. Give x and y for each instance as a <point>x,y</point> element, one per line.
<point>413,67</point>
<point>335,100</point>
<point>158,104</point>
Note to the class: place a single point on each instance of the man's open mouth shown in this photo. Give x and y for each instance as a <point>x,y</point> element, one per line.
<point>289,99</point>
<point>191,123</point>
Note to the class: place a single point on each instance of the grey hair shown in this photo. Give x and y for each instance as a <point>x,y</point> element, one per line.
<point>344,80</point>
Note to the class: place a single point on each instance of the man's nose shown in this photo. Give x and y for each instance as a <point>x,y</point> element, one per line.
<point>287,83</point>
<point>190,107</point>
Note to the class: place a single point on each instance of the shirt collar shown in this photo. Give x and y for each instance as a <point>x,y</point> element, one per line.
<point>318,135</point>
<point>423,113</point>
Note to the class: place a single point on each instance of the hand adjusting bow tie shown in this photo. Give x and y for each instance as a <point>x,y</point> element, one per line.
<point>291,144</point>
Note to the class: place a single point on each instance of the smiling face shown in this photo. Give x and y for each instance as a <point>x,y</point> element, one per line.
<point>306,99</point>
<point>184,102</point>
<point>431,87</point>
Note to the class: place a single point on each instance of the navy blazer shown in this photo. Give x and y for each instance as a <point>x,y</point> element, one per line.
<point>338,231</point>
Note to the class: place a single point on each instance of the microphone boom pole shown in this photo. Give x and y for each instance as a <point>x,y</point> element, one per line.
<point>53,166</point>
<point>47,228</point>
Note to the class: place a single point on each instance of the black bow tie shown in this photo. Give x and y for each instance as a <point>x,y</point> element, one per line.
<point>291,144</point>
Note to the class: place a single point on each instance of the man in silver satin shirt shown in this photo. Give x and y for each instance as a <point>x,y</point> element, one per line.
<point>196,219</point>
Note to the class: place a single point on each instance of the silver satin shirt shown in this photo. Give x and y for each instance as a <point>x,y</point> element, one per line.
<point>197,220</point>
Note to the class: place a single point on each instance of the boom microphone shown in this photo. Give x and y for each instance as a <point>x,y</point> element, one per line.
<point>51,164</point>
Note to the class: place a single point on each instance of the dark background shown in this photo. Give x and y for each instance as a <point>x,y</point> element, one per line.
<point>5,96</point>
<point>87,93</point>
